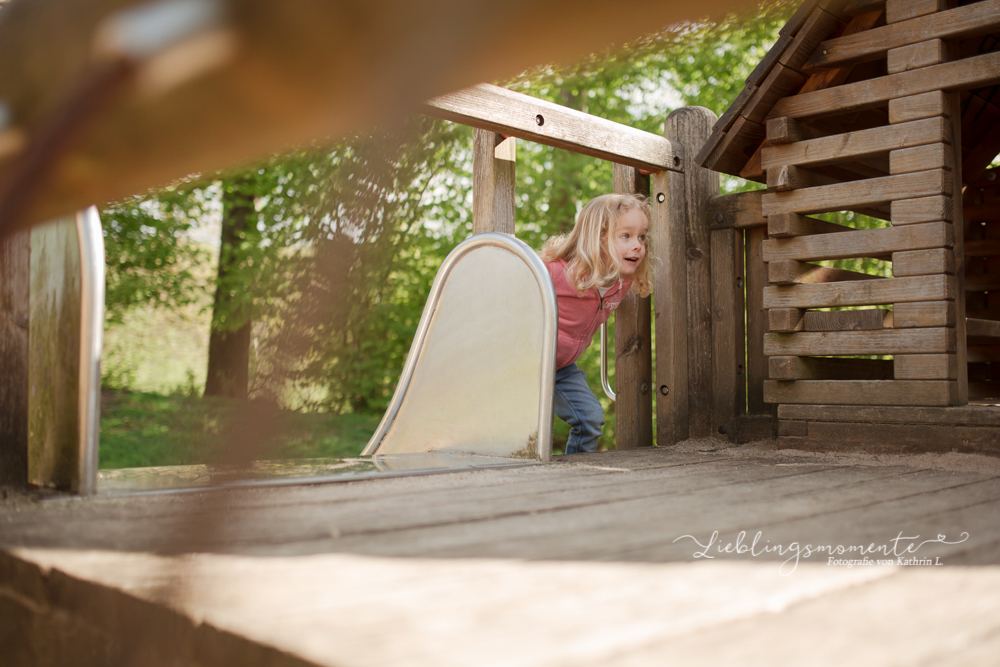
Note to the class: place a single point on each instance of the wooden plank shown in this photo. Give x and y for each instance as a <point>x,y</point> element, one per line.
<point>794,24</point>
<point>793,428</point>
<point>904,10</point>
<point>916,107</point>
<point>781,82</point>
<point>732,151</point>
<point>953,105</point>
<point>737,210</point>
<point>982,247</point>
<point>860,243</point>
<point>789,177</point>
<point>860,144</point>
<point>968,415</point>
<point>925,367</point>
<point>514,114</point>
<point>923,209</point>
<point>981,212</point>
<point>820,24</point>
<point>985,282</point>
<point>785,225</point>
<point>728,339</point>
<point>921,54</point>
<point>909,160</point>
<point>974,19</point>
<point>862,392</point>
<point>690,126</point>
<point>756,280</point>
<point>670,306</point>
<point>15,273</point>
<point>923,314</point>
<point>633,347</point>
<point>923,262</point>
<point>838,75</point>
<point>858,193</point>
<point>903,438</point>
<point>982,328</point>
<point>974,72</point>
<point>785,319</point>
<point>848,343</point>
<point>820,368</point>
<point>783,130</point>
<point>858,7</point>
<point>791,272</point>
<point>867,319</point>
<point>493,164</point>
<point>861,293</point>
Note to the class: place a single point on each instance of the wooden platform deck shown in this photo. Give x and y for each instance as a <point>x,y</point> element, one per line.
<point>592,559</point>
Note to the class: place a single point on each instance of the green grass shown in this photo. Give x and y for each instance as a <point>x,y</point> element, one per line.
<point>150,429</point>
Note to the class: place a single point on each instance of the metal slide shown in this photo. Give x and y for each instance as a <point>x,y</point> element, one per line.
<point>480,373</point>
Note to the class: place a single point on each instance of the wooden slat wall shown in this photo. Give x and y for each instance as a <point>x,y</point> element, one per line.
<point>925,332</point>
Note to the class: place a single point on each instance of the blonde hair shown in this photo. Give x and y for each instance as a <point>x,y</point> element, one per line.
<point>591,259</point>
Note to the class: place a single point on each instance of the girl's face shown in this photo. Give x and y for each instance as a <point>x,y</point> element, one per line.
<point>630,240</point>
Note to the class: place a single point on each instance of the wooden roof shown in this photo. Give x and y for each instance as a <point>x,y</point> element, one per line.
<point>831,43</point>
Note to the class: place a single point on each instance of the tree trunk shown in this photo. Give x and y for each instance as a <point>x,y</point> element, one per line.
<point>229,344</point>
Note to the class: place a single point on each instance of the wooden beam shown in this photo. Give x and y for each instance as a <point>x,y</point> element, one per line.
<point>921,158</point>
<point>784,225</point>
<point>904,10</point>
<point>982,328</point>
<point>982,247</point>
<point>921,54</point>
<point>847,343</point>
<point>756,271</point>
<point>923,314</point>
<point>970,415</point>
<point>925,366</point>
<point>861,293</point>
<point>791,272</point>
<point>738,210</point>
<point>820,368</point>
<point>728,339</point>
<point>843,196</point>
<point>855,145</point>
<point>974,72</point>
<point>922,209</point>
<point>633,347</point>
<point>515,114</point>
<point>862,392</point>
<point>690,127</point>
<point>493,168</point>
<point>923,262</point>
<point>972,20</point>
<point>867,319</point>
<point>860,243</point>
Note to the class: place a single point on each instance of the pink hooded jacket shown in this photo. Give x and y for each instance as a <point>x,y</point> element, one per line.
<point>580,315</point>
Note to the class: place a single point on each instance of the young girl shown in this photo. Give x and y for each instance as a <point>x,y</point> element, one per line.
<point>592,269</point>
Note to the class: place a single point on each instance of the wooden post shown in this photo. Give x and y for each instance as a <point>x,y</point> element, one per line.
<point>958,224</point>
<point>14,293</point>
<point>756,271</point>
<point>633,348</point>
<point>691,127</point>
<point>728,362</point>
<point>493,159</point>
<point>668,207</point>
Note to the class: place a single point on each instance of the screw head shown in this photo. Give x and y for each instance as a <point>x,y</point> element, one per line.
<point>664,389</point>
<point>739,282</point>
<point>644,388</point>
<point>660,197</point>
<point>677,161</point>
<point>539,120</point>
<point>720,217</point>
<point>722,429</point>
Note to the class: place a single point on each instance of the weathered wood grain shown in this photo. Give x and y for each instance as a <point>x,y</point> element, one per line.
<point>633,347</point>
<point>847,343</point>
<point>974,19</point>
<point>968,415</point>
<point>493,165</point>
<point>690,127</point>
<point>819,24</point>
<point>904,10</point>
<point>861,293</point>
<point>923,262</point>
<point>859,144</point>
<point>670,306</point>
<point>982,328</point>
<point>780,82</point>
<point>925,366</point>
<point>514,114</point>
<point>781,131</point>
<point>791,272</point>
<point>923,314</point>
<point>974,72</point>
<point>921,54</point>
<point>902,438</point>
<point>785,319</point>
<point>860,243</point>
<point>843,196</point>
<point>757,325</point>
<point>784,225</point>
<point>728,333</point>
<point>867,319</point>
<point>923,209</point>
<point>738,210</point>
<point>820,368</point>
<point>15,254</point>
<point>916,107</point>
<point>932,156</point>
<point>862,392</point>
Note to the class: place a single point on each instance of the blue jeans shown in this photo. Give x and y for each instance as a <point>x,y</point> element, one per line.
<point>576,405</point>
